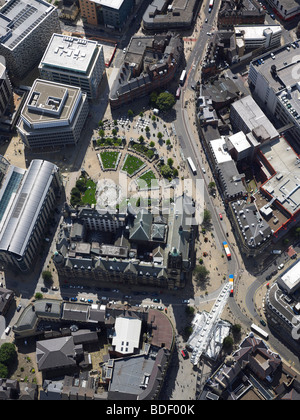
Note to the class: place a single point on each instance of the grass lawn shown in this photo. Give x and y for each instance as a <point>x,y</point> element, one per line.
<point>132,164</point>
<point>148,177</point>
<point>89,196</point>
<point>109,159</point>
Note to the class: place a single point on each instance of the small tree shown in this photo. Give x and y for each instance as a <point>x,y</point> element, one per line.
<point>47,276</point>
<point>165,101</point>
<point>7,353</point>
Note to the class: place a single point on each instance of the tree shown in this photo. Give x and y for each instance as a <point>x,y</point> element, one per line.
<point>159,135</point>
<point>47,276</point>
<point>153,99</point>
<point>166,171</point>
<point>165,101</point>
<point>170,162</point>
<point>3,371</point>
<point>101,133</point>
<point>152,144</point>
<point>8,354</point>
<point>130,113</point>
<point>201,273</point>
<point>206,217</point>
<point>228,342</point>
<point>81,184</point>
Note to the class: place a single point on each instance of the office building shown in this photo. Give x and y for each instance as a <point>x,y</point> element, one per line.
<point>275,79</point>
<point>285,9</point>
<point>110,13</point>
<point>74,61</point>
<point>244,12</point>
<point>163,15</point>
<point>53,115</point>
<point>27,198</point>
<point>247,116</point>
<point>25,30</point>
<point>5,89</point>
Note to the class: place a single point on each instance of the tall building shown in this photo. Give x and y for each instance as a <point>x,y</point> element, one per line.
<point>53,115</point>
<point>27,198</point>
<point>276,83</point>
<point>25,30</point>
<point>247,116</point>
<point>74,61</point>
<point>111,13</point>
<point>5,89</point>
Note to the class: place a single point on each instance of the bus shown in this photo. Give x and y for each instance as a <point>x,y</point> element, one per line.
<point>178,92</point>
<point>227,250</point>
<point>182,77</point>
<point>192,166</point>
<point>260,331</point>
<point>231,284</point>
<point>211,4</point>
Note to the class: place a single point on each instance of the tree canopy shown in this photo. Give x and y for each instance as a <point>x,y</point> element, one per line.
<point>165,101</point>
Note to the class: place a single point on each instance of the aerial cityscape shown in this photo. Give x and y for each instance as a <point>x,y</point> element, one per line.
<point>149,202</point>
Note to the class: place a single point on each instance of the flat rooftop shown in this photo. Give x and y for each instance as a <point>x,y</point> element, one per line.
<point>284,185</point>
<point>292,277</point>
<point>19,17</point>
<point>69,53</point>
<point>253,116</point>
<point>112,4</point>
<point>286,60</point>
<point>49,102</point>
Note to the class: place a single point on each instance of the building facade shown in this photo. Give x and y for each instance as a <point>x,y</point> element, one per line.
<point>275,81</point>
<point>75,62</point>
<point>5,90</point>
<point>26,28</point>
<point>110,13</point>
<point>53,115</point>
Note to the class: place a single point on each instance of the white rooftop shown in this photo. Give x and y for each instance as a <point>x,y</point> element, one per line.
<point>284,185</point>
<point>219,150</point>
<point>240,142</point>
<point>127,334</point>
<point>292,277</point>
<point>113,4</point>
<point>69,52</point>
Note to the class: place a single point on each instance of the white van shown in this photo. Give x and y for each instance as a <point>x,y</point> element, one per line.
<point>7,330</point>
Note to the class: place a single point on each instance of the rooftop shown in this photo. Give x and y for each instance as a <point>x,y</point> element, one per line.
<point>49,102</point>
<point>69,52</point>
<point>253,117</point>
<point>286,62</point>
<point>19,17</point>
<point>284,185</point>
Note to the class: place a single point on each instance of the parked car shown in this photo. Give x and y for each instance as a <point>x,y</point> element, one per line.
<point>19,308</point>
<point>54,288</point>
<point>262,322</point>
<point>220,215</point>
<point>186,301</point>
<point>90,300</point>
<point>66,298</point>
<point>83,299</point>
<point>73,299</point>
<point>156,300</point>
<point>160,308</point>
<point>44,289</point>
<point>280,266</point>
